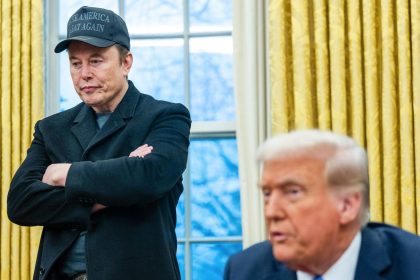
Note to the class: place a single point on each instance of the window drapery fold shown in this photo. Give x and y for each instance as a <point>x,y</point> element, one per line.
<point>22,104</point>
<point>354,67</point>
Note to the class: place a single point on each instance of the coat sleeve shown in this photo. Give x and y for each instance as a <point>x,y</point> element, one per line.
<point>31,202</point>
<point>127,180</point>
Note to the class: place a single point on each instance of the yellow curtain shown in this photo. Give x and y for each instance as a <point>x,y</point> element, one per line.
<point>22,104</point>
<point>354,67</point>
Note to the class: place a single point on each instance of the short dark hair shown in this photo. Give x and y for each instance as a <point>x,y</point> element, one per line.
<point>123,51</point>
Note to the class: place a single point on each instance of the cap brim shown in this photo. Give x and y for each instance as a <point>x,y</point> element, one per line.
<point>97,42</point>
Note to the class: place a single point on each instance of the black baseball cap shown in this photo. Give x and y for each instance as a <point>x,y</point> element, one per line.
<point>95,26</point>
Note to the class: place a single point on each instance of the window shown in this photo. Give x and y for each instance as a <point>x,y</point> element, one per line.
<point>182,53</point>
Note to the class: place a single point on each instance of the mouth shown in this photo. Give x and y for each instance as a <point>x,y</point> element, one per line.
<point>278,236</point>
<point>88,89</point>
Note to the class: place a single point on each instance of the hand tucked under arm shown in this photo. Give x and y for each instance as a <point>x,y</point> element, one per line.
<point>141,151</point>
<point>56,174</point>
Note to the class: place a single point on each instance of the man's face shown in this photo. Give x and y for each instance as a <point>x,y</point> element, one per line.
<point>98,75</point>
<point>301,213</point>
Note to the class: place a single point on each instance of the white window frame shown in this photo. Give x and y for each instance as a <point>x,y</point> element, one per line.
<point>253,108</point>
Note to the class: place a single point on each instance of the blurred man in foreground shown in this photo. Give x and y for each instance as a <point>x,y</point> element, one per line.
<point>316,194</point>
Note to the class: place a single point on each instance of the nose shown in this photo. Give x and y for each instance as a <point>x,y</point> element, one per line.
<point>273,208</point>
<point>85,72</point>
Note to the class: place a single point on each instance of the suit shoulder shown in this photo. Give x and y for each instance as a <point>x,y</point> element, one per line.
<point>161,104</point>
<point>255,262</point>
<point>157,108</point>
<point>396,238</point>
<point>62,117</point>
<point>393,231</point>
<point>258,250</point>
<point>391,250</point>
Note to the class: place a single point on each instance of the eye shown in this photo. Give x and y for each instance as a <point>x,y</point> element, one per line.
<point>293,192</point>
<point>95,61</point>
<point>266,193</point>
<point>75,64</point>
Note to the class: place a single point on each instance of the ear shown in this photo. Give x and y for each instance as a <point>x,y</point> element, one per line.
<point>127,63</point>
<point>349,207</point>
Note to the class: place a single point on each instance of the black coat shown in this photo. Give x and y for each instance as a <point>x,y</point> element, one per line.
<point>386,252</point>
<point>135,236</point>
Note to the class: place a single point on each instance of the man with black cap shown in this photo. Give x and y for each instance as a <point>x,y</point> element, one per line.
<point>104,177</point>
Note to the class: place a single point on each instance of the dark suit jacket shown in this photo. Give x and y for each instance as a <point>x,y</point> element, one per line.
<point>135,236</point>
<point>386,252</point>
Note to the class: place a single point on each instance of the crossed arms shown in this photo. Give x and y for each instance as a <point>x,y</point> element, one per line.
<point>106,176</point>
<point>56,173</point>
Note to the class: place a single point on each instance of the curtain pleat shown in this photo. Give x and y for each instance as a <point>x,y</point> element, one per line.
<point>371,71</point>
<point>281,81</point>
<point>415,54</point>
<point>16,125</point>
<point>354,67</point>
<point>303,102</point>
<point>6,122</point>
<point>25,135</point>
<point>406,121</point>
<point>337,47</point>
<point>35,99</point>
<point>22,104</point>
<point>322,65</point>
<point>356,119</point>
<point>389,114</point>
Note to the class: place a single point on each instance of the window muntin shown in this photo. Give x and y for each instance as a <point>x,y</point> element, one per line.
<point>211,79</point>
<point>208,16</point>
<point>154,16</point>
<point>214,184</point>
<point>158,68</point>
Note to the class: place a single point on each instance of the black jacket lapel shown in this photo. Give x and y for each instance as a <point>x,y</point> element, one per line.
<point>118,119</point>
<point>114,123</point>
<point>373,257</point>
<point>84,126</point>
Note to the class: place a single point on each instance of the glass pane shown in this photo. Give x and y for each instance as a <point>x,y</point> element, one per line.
<point>180,255</point>
<point>68,95</point>
<point>67,8</point>
<point>210,15</point>
<point>209,259</point>
<point>154,16</point>
<point>180,217</point>
<point>215,200</point>
<point>158,68</point>
<point>211,78</point>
